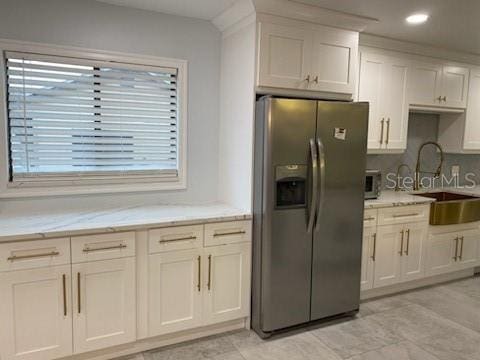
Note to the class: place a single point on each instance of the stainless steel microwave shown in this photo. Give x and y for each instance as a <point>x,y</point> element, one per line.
<point>373,184</point>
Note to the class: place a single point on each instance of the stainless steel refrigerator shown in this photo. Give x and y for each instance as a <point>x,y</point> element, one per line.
<point>309,180</point>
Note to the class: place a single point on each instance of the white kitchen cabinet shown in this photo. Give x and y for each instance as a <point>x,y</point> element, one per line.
<point>383,83</point>
<point>441,253</point>
<point>36,313</point>
<point>455,249</point>
<point>413,258</point>
<point>334,59</point>
<point>455,86</point>
<point>104,304</point>
<point>437,85</point>
<point>460,133</point>
<point>175,291</point>
<point>399,250</point>
<point>387,259</point>
<point>471,136</point>
<point>285,56</point>
<point>425,83</point>
<point>227,282</point>
<point>307,58</point>
<point>368,257</point>
<point>467,255</point>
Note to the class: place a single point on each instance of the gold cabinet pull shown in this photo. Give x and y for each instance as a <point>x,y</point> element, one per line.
<point>315,79</point>
<point>199,280</point>
<point>444,98</point>
<point>381,131</point>
<point>404,215</point>
<point>22,257</point>
<point>177,239</point>
<point>64,285</point>
<point>408,242</point>
<point>209,284</point>
<point>461,248</point>
<point>307,79</point>
<point>401,244</point>
<point>121,246</point>
<point>230,233</point>
<point>374,246</point>
<point>388,131</point>
<point>456,249</point>
<point>369,218</point>
<point>79,301</point>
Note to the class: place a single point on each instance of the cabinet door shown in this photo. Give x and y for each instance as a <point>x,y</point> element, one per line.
<point>368,263</point>
<point>334,60</point>
<point>454,86</point>
<point>440,252</point>
<point>175,297</point>
<point>424,84</point>
<point>394,99</point>
<point>284,56</point>
<point>35,313</point>
<point>370,89</point>
<point>472,114</point>
<point>387,257</point>
<point>413,259</point>
<point>468,249</point>
<point>104,305</point>
<point>227,279</point>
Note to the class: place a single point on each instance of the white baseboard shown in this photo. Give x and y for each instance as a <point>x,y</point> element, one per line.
<point>160,341</point>
<point>388,290</point>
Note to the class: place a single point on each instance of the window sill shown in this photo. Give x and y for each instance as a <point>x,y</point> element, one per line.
<point>13,192</point>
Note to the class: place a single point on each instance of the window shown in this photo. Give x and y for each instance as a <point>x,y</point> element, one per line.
<point>71,118</point>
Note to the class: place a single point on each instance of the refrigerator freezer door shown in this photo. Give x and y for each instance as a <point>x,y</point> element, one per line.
<point>337,241</point>
<point>286,248</point>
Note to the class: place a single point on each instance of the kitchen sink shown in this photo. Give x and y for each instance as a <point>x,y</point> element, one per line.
<point>451,208</point>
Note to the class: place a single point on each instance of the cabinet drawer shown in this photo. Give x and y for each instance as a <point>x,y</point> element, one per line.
<point>228,233</point>
<point>103,246</point>
<point>403,214</point>
<point>34,254</point>
<point>370,218</point>
<point>175,238</point>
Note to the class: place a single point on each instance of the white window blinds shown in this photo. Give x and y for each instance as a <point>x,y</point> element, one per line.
<point>70,117</point>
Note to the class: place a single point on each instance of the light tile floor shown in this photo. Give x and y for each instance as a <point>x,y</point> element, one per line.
<point>436,323</point>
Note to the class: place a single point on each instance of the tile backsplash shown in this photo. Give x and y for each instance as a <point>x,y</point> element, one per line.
<point>421,128</point>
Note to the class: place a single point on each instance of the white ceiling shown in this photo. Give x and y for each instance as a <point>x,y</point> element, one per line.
<point>200,9</point>
<point>453,24</point>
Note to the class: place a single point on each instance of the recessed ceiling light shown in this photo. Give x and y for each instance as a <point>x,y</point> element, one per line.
<point>416,19</point>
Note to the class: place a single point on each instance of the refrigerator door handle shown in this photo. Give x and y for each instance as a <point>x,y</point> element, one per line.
<point>313,200</point>
<point>321,165</point>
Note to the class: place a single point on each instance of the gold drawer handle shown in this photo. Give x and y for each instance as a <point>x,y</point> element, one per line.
<point>21,257</point>
<point>405,215</point>
<point>369,218</point>
<point>230,233</point>
<point>116,247</point>
<point>177,239</point>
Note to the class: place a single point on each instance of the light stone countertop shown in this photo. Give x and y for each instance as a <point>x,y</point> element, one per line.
<point>389,198</point>
<point>54,224</point>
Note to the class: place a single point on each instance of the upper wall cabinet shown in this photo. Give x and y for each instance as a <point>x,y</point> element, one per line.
<point>383,83</point>
<point>460,133</point>
<point>313,58</point>
<point>437,85</point>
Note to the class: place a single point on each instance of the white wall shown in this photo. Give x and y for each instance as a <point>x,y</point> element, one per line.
<point>237,100</point>
<point>94,25</point>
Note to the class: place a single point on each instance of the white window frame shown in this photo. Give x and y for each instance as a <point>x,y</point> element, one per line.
<point>105,184</point>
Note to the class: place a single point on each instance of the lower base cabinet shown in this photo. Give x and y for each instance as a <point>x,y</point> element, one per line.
<point>175,297</point>
<point>191,288</point>
<point>227,292</point>
<point>35,313</point>
<point>104,305</point>
<point>392,254</point>
<point>453,250</point>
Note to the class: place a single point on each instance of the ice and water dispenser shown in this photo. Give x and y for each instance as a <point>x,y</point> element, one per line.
<point>290,186</point>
